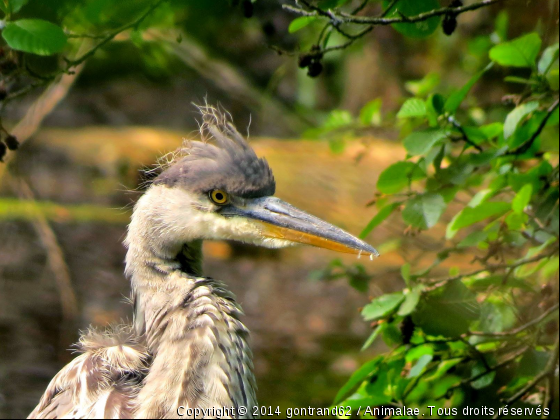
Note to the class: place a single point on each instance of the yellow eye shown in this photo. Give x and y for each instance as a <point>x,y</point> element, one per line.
<point>219,197</point>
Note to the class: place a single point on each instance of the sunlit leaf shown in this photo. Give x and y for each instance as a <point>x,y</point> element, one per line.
<point>300,23</point>
<point>410,301</point>
<point>420,366</point>
<point>34,36</point>
<point>522,199</point>
<point>412,108</point>
<point>379,218</point>
<point>520,52</point>
<point>421,142</point>
<point>357,377</point>
<point>382,306</point>
<point>399,176</point>
<point>469,216</point>
<point>424,211</point>
<point>549,56</point>
<point>516,116</point>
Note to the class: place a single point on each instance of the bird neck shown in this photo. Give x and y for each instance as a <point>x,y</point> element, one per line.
<point>190,324</point>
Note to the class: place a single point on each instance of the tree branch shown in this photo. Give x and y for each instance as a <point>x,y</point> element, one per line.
<point>548,370</point>
<point>527,145</point>
<point>112,35</point>
<point>520,329</point>
<point>383,20</point>
<point>493,268</point>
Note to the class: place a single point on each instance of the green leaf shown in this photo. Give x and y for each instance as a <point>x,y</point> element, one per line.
<point>483,381</point>
<point>411,8</point>
<point>514,117</point>
<point>469,215</point>
<point>13,6</point>
<point>421,142</point>
<point>456,99</point>
<point>338,118</point>
<point>448,311</point>
<point>382,306</point>
<point>549,56</point>
<point>410,301</point>
<point>34,36</point>
<point>371,339</point>
<point>412,108</point>
<point>16,5</point>
<point>520,52</point>
<point>379,218</point>
<point>371,113</point>
<point>399,176</point>
<point>357,378</point>
<point>405,272</point>
<point>424,211</point>
<point>522,199</point>
<point>420,365</point>
<point>300,23</point>
<point>444,367</point>
<point>424,86</point>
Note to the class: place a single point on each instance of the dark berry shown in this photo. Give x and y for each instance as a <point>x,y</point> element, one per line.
<point>12,142</point>
<point>305,61</point>
<point>456,3</point>
<point>315,69</point>
<point>449,24</point>
<point>3,149</point>
<point>3,93</point>
<point>248,9</point>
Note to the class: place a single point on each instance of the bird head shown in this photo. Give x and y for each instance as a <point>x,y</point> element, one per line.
<point>219,189</point>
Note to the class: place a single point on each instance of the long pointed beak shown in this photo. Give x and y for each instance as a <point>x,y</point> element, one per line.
<point>280,220</point>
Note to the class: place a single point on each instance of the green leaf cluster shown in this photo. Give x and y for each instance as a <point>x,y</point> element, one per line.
<point>491,187</point>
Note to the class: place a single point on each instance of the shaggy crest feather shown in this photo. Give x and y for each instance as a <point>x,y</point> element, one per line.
<point>221,160</point>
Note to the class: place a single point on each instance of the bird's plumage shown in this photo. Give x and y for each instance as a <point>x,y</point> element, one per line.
<point>187,347</point>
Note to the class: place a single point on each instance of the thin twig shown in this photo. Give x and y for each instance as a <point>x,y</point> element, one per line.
<point>55,257</point>
<point>520,329</point>
<point>112,35</point>
<point>527,145</point>
<point>383,20</point>
<point>464,135</point>
<point>492,268</point>
<point>347,18</point>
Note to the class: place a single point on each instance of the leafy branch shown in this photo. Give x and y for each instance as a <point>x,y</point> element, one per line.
<point>337,18</point>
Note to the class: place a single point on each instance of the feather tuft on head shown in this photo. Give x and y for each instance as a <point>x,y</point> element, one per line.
<point>222,159</point>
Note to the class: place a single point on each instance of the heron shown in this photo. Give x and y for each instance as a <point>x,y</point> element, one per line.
<point>187,348</point>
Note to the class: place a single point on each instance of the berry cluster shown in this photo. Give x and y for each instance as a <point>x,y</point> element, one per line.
<point>312,61</point>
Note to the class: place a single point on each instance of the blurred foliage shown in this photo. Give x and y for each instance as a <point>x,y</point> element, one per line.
<point>486,171</point>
